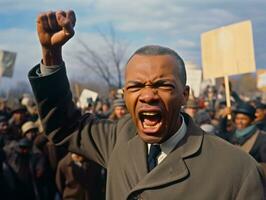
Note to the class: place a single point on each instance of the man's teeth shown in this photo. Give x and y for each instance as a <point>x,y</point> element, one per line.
<point>151,126</point>
<point>149,113</point>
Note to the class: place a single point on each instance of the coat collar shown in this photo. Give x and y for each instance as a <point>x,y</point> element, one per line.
<point>172,168</point>
<point>192,142</point>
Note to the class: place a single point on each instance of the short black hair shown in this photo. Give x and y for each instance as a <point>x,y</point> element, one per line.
<point>153,50</point>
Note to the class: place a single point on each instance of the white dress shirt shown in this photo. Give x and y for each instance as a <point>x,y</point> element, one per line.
<point>171,143</point>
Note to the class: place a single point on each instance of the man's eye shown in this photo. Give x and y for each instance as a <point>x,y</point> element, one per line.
<point>133,88</point>
<point>166,87</point>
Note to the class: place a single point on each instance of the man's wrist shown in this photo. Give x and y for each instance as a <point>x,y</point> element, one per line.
<point>47,70</point>
<point>52,56</point>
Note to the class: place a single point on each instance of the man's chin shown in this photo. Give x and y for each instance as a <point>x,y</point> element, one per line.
<point>150,139</point>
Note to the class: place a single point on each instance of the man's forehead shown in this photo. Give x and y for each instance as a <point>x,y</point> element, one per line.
<point>138,57</point>
<point>167,61</point>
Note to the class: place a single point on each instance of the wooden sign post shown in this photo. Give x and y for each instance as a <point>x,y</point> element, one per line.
<point>227,95</point>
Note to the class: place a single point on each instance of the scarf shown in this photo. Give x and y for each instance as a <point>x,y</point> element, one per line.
<point>241,136</point>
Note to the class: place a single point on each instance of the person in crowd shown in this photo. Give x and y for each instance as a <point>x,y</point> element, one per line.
<point>154,152</point>
<point>89,107</point>
<point>6,132</point>
<point>112,96</point>
<point>27,101</point>
<point>4,126</point>
<point>18,117</point>
<point>203,119</point>
<point>191,108</point>
<point>211,112</point>
<point>7,183</point>
<point>104,110</point>
<point>30,130</point>
<point>260,115</point>
<point>225,126</point>
<point>50,159</point>
<point>77,178</point>
<point>27,168</point>
<point>210,97</point>
<point>119,109</point>
<point>234,97</point>
<point>247,136</point>
<point>4,109</point>
<point>44,181</point>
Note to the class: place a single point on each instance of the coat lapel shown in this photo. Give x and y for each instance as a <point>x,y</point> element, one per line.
<point>137,153</point>
<point>173,167</point>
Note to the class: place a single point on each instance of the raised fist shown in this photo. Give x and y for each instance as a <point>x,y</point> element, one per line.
<point>55,28</point>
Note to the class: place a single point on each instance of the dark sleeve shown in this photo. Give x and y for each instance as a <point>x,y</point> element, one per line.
<point>60,177</point>
<point>222,132</point>
<point>63,122</point>
<point>55,154</point>
<point>236,97</point>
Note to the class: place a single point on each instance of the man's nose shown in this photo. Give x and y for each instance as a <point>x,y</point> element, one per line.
<point>148,94</point>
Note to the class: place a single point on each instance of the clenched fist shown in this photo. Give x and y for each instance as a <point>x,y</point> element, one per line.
<point>54,30</point>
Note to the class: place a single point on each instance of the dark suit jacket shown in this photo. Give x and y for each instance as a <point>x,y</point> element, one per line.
<point>201,167</point>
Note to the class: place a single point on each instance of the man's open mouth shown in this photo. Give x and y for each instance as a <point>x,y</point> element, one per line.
<point>150,120</point>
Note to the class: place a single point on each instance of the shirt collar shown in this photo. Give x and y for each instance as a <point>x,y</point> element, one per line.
<point>171,143</point>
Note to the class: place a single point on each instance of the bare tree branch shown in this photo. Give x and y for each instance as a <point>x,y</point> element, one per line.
<point>107,64</point>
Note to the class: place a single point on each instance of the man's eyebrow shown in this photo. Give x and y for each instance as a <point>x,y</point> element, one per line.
<point>133,82</point>
<point>161,81</point>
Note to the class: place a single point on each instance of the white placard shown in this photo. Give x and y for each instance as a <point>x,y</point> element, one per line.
<point>7,63</point>
<point>87,96</point>
<point>194,78</point>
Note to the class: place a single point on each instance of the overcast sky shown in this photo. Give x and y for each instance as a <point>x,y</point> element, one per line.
<point>173,23</point>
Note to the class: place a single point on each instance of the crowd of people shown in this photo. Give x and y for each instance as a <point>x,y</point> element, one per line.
<point>243,124</point>
<point>157,151</point>
<point>32,167</point>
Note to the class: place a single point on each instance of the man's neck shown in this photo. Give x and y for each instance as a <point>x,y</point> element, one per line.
<point>179,123</point>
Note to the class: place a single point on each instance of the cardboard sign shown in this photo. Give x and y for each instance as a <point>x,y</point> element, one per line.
<point>87,97</point>
<point>228,51</point>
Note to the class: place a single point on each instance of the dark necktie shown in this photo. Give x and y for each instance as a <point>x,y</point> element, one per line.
<point>155,150</point>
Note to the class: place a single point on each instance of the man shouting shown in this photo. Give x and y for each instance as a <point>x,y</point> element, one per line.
<point>155,152</point>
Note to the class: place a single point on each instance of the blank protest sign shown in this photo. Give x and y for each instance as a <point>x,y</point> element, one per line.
<point>228,50</point>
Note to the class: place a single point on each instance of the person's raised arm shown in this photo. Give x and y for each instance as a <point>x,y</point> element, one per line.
<point>54,30</point>
<point>62,121</point>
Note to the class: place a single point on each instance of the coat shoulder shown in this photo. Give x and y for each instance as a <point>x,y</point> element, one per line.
<point>126,128</point>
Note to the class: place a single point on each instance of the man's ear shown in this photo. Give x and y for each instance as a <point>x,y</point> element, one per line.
<point>124,97</point>
<point>123,93</point>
